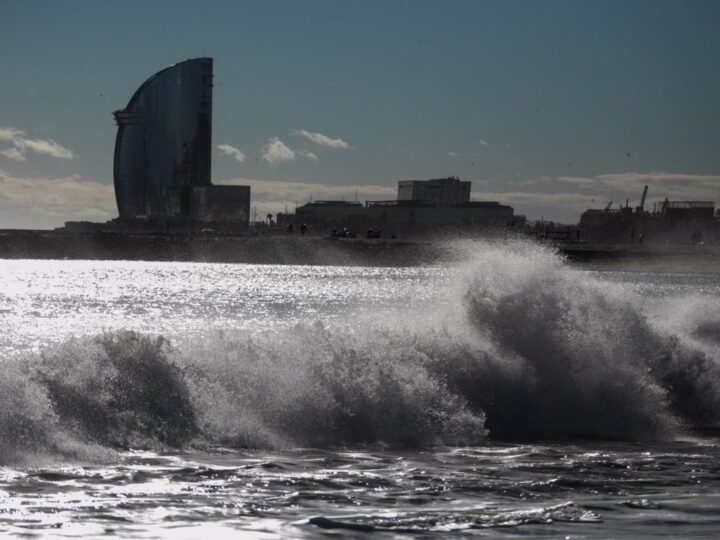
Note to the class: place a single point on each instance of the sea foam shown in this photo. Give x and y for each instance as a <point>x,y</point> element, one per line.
<point>522,346</point>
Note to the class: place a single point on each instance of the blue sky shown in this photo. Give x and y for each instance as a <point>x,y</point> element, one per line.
<point>549,106</point>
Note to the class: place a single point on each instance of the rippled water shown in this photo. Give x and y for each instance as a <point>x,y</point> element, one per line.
<point>53,300</point>
<point>602,490</point>
<point>511,395</point>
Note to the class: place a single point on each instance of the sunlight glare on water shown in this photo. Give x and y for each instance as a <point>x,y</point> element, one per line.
<point>49,301</point>
<point>296,401</point>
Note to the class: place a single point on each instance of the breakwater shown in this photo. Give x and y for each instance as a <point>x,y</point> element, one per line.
<point>295,249</point>
<point>261,249</point>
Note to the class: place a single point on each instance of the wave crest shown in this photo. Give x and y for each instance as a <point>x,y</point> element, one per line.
<point>594,363</point>
<point>523,346</point>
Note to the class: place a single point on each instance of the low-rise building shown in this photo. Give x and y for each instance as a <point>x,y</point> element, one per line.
<point>423,211</point>
<point>441,191</point>
<point>670,221</point>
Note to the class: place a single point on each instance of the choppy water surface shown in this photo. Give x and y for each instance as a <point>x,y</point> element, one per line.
<point>510,396</point>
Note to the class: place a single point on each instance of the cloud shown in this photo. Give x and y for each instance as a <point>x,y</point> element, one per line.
<point>484,143</point>
<point>467,154</point>
<point>21,146</point>
<point>274,195</point>
<point>674,186</point>
<point>323,140</point>
<point>560,199</point>
<point>44,147</point>
<point>577,180</point>
<point>266,190</point>
<point>309,155</point>
<point>10,134</point>
<point>13,153</point>
<point>229,150</point>
<point>559,207</point>
<point>276,152</point>
<point>59,199</point>
<point>636,178</point>
<point>564,198</point>
<point>526,197</point>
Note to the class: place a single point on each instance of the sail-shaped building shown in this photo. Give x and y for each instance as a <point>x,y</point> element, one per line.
<point>162,164</point>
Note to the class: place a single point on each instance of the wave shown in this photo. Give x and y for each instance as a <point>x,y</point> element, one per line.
<point>524,347</point>
<point>459,520</point>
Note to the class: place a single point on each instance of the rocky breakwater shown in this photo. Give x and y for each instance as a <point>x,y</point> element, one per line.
<point>201,247</point>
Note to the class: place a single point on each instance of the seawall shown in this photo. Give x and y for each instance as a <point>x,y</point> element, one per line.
<point>296,249</point>
<point>265,249</point>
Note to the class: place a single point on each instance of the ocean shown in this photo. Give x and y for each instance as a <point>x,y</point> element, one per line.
<point>509,395</point>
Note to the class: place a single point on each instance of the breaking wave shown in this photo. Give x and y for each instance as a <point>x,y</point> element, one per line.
<point>524,347</point>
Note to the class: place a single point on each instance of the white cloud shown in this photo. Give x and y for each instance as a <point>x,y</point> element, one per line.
<point>484,143</point>
<point>564,198</point>
<point>267,190</point>
<point>674,186</point>
<point>635,178</point>
<point>576,180</point>
<point>275,195</point>
<point>276,151</point>
<point>13,153</point>
<point>10,134</point>
<point>560,199</point>
<point>54,200</point>
<point>229,150</point>
<point>466,154</point>
<point>537,198</point>
<point>22,145</point>
<point>559,207</point>
<point>309,155</point>
<point>44,147</point>
<point>323,140</point>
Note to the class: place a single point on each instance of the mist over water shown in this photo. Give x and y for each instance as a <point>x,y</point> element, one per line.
<point>513,346</point>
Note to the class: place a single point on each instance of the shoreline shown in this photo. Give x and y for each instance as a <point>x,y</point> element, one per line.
<point>315,250</point>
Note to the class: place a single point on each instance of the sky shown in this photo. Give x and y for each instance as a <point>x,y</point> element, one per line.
<point>552,106</point>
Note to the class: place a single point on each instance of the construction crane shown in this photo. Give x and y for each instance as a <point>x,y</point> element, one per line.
<point>607,208</point>
<point>642,201</point>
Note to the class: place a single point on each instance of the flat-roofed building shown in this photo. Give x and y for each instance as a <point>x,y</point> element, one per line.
<point>441,191</point>
<point>432,205</point>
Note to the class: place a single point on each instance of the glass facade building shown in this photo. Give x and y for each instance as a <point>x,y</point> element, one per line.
<point>163,146</point>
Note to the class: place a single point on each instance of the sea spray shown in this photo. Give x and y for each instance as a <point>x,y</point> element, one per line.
<point>597,366</point>
<point>31,431</point>
<point>517,344</point>
<point>314,386</point>
<point>27,419</point>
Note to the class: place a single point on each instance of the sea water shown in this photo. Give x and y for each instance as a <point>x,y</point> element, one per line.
<point>510,395</point>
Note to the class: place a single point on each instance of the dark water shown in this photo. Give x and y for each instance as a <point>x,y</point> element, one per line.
<point>511,395</point>
<point>605,490</point>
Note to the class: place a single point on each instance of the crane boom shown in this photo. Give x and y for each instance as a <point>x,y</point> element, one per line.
<point>642,201</point>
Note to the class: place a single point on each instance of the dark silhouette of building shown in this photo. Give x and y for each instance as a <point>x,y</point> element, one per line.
<point>162,165</point>
<point>422,207</point>
<point>441,191</point>
<point>670,221</point>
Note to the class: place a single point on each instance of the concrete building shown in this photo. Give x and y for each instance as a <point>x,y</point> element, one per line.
<point>162,165</point>
<point>441,191</point>
<point>433,206</point>
<point>670,221</point>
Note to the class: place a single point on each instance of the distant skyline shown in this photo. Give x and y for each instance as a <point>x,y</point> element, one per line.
<point>551,107</point>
